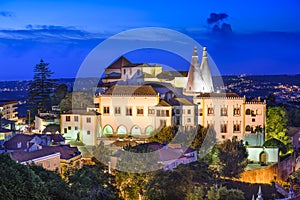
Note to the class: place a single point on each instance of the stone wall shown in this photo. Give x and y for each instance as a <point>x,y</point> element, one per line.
<point>266,175</point>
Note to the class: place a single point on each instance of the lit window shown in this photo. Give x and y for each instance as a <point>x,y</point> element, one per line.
<point>158,113</point>
<point>118,110</point>
<point>129,111</point>
<point>151,111</point>
<point>88,120</point>
<point>210,111</point>
<point>223,111</point>
<point>223,128</point>
<point>236,111</point>
<point>68,118</point>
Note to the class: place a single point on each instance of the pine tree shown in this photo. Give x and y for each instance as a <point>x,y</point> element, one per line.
<point>40,88</point>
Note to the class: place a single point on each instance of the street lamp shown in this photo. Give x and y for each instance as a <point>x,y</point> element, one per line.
<point>1,113</point>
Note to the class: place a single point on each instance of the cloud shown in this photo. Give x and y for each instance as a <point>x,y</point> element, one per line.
<point>216,24</point>
<point>50,33</point>
<point>6,14</point>
<point>215,18</point>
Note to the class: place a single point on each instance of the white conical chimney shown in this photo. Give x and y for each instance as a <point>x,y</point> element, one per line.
<point>205,72</point>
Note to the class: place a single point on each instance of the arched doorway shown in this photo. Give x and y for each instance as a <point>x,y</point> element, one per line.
<point>263,158</point>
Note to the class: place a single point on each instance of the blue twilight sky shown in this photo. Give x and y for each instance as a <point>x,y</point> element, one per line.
<point>249,36</point>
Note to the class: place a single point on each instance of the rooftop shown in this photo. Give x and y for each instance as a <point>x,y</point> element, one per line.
<point>127,90</point>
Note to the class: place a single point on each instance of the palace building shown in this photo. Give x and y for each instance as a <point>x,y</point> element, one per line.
<point>141,98</point>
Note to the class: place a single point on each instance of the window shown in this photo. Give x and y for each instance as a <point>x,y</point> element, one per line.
<point>140,111</point>
<point>151,111</point>
<point>167,113</point>
<point>253,113</point>
<point>163,122</point>
<point>65,130</point>
<point>69,128</point>
<point>189,111</point>
<point>188,120</point>
<point>163,113</point>
<point>105,109</point>
<point>223,136</point>
<point>76,128</point>
<point>248,112</point>
<point>158,113</point>
<point>76,118</point>
<point>223,111</point>
<point>88,132</point>
<point>129,111</point>
<point>177,111</point>
<point>210,111</point>
<point>253,120</point>
<point>248,128</point>
<point>124,71</point>
<point>258,112</point>
<point>88,120</point>
<point>117,110</point>
<point>236,111</point>
<point>68,118</point>
<point>236,128</point>
<point>223,128</point>
<point>200,112</point>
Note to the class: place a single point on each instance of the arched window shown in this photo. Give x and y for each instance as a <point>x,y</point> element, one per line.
<point>149,130</point>
<point>121,130</point>
<point>136,130</point>
<point>248,128</point>
<point>108,130</point>
<point>248,112</point>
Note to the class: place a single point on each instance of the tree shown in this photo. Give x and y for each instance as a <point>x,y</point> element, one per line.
<point>40,88</point>
<point>223,193</point>
<point>232,155</point>
<point>273,142</point>
<point>78,99</point>
<point>57,187</point>
<point>92,182</point>
<point>165,134</point>
<point>176,184</point>
<point>59,94</point>
<point>277,124</point>
<point>19,181</point>
<point>197,194</point>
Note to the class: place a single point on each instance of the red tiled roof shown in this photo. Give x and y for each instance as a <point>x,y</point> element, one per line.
<point>23,156</point>
<point>12,143</point>
<point>229,94</point>
<point>126,90</point>
<point>163,103</point>
<point>120,62</point>
<point>66,152</point>
<point>81,112</point>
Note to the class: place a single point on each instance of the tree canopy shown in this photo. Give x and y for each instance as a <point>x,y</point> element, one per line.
<point>276,124</point>
<point>232,157</point>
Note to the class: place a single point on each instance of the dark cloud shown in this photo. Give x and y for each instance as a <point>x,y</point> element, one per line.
<point>216,24</point>
<point>50,27</point>
<point>215,18</point>
<point>6,14</point>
